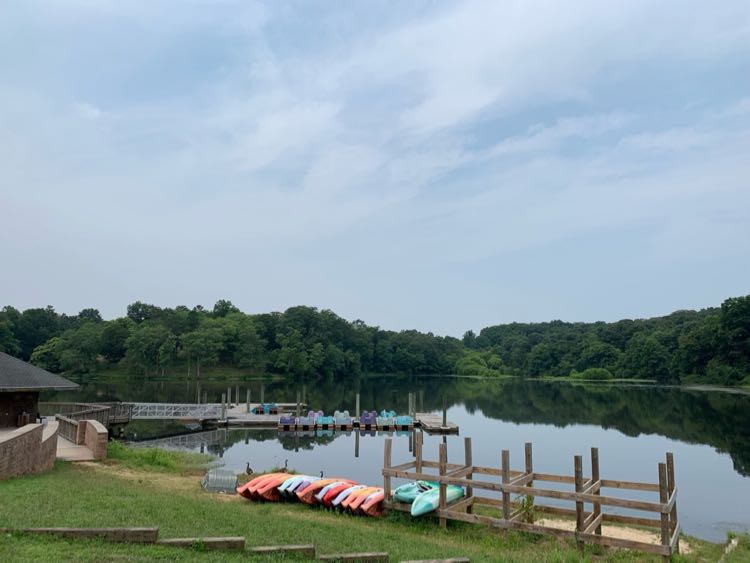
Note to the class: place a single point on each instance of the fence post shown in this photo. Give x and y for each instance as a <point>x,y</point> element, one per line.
<point>505,460</point>
<point>469,462</point>
<point>442,466</point>
<point>229,396</point>
<point>223,406</point>
<point>664,498</point>
<point>594,479</point>
<point>529,466</point>
<point>247,402</point>
<point>670,489</point>
<point>356,408</point>
<point>580,516</point>
<point>387,465</point>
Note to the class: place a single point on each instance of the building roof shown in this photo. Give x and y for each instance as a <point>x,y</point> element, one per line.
<point>17,375</point>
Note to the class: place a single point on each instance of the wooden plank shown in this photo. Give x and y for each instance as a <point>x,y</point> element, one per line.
<point>596,479</point>
<point>125,535</point>
<point>460,472</point>
<point>595,523</point>
<point>578,470</point>
<point>495,471</point>
<point>505,467</point>
<point>664,497</point>
<point>404,466</point>
<point>632,485</point>
<point>443,489</point>
<point>523,480</point>
<point>378,557</point>
<point>209,544</point>
<point>306,550</point>
<point>386,465</point>
<point>634,520</point>
<point>469,461</point>
<point>449,560</point>
<point>672,488</point>
<point>461,504</point>
<point>549,477</point>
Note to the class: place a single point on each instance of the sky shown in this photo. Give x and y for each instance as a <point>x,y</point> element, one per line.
<point>442,166</point>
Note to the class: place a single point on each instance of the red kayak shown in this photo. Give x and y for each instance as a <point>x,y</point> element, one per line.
<point>373,506</point>
<point>269,489</point>
<point>249,489</point>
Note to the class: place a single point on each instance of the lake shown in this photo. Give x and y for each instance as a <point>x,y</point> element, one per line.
<point>632,425</point>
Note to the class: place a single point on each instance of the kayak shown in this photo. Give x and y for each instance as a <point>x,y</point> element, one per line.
<point>361,498</point>
<point>307,495</point>
<point>270,488</point>
<point>428,500</point>
<point>345,493</point>
<point>334,492</point>
<point>321,494</point>
<point>409,491</point>
<point>249,489</point>
<point>352,498</point>
<point>373,506</point>
<point>288,486</point>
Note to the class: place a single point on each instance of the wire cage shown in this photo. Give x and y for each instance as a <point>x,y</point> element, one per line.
<point>220,481</point>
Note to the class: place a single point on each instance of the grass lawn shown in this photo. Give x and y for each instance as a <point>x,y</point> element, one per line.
<point>156,488</point>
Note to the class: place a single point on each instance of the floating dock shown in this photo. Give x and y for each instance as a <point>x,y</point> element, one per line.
<point>434,424</point>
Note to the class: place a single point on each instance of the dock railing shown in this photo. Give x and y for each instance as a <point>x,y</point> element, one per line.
<point>589,509</point>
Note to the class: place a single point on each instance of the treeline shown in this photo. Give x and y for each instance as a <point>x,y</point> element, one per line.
<point>150,339</point>
<point>711,346</point>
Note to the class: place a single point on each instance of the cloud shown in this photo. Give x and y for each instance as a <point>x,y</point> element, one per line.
<point>277,153</point>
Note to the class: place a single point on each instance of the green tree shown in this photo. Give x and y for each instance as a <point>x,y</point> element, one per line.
<point>113,338</point>
<point>646,357</point>
<point>203,345</point>
<point>143,345</point>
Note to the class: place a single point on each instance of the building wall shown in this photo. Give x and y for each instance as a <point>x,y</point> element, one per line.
<point>14,403</point>
<point>95,438</point>
<point>31,449</point>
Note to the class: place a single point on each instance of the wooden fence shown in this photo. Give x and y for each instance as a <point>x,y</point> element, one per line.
<point>106,413</point>
<point>519,514</point>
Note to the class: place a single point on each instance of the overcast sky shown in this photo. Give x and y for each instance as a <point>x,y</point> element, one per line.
<point>432,165</point>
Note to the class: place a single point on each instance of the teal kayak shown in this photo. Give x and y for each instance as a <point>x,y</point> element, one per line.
<point>429,500</point>
<point>408,492</point>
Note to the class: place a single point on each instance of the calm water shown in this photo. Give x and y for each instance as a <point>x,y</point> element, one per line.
<point>633,426</point>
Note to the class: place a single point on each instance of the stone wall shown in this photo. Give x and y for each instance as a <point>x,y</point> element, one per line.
<point>95,438</point>
<point>31,449</point>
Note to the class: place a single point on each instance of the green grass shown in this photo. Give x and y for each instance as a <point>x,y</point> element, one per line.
<point>138,488</point>
<point>155,459</point>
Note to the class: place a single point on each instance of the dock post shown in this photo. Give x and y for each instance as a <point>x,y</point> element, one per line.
<point>445,412</point>
<point>505,471</point>
<point>580,515</point>
<point>670,489</point>
<point>421,400</point>
<point>387,465</point>
<point>223,406</point>
<point>237,395</point>
<point>418,451</point>
<point>469,462</point>
<point>356,409</point>
<point>229,397</point>
<point>304,394</point>
<point>595,478</point>
<point>205,397</point>
<point>247,403</point>
<point>442,467</point>
<point>262,393</point>
<point>298,405</point>
<point>664,498</point>
<point>356,443</point>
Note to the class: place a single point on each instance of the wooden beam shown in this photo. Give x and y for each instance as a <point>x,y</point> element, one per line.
<point>304,550</point>
<point>378,557</point>
<point>209,544</point>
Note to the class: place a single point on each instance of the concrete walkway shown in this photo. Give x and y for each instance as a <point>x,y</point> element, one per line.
<point>68,451</point>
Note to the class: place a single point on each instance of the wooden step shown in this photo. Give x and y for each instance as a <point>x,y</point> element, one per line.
<point>379,557</point>
<point>450,560</point>
<point>306,550</point>
<point>232,543</point>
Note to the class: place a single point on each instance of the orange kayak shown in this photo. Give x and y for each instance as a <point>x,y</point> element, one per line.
<point>249,489</point>
<point>373,505</point>
<point>269,489</point>
<point>356,494</point>
<point>334,492</point>
<point>357,502</point>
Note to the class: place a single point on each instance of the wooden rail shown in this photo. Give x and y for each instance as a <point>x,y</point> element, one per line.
<point>586,497</point>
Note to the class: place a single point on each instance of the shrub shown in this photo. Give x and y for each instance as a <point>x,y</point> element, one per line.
<point>596,374</point>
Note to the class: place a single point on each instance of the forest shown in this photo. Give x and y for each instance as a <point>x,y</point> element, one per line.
<point>707,346</point>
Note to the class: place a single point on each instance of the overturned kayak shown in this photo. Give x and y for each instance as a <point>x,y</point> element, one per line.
<point>334,492</point>
<point>409,491</point>
<point>249,489</point>
<point>345,493</point>
<point>428,500</point>
<point>373,505</point>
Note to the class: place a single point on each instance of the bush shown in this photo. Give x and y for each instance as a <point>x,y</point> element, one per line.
<point>719,372</point>
<point>595,374</point>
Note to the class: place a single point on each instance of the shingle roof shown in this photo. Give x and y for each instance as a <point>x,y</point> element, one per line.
<point>17,375</point>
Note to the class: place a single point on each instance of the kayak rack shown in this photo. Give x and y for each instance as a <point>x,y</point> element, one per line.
<point>523,511</point>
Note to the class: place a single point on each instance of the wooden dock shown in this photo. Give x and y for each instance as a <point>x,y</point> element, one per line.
<point>433,423</point>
